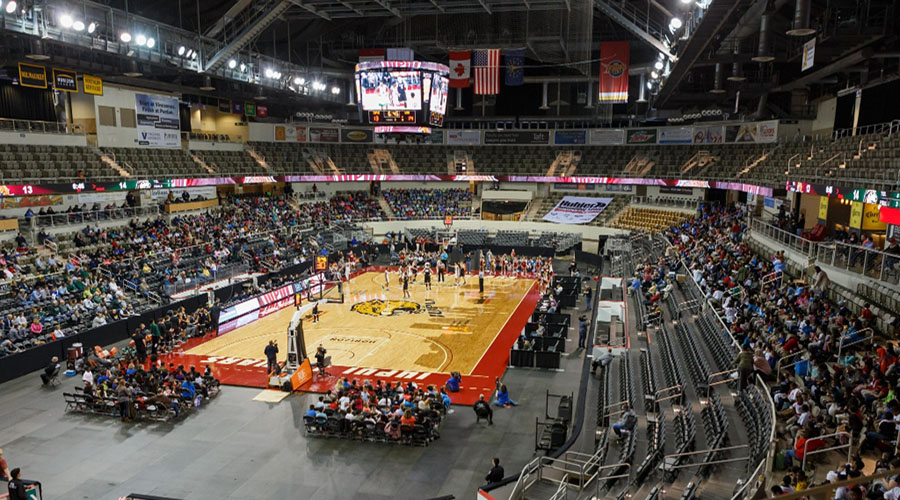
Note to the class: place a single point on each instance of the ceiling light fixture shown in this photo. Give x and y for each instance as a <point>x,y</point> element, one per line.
<point>92,27</point>
<point>78,26</point>
<point>66,21</point>
<point>141,40</point>
<point>232,64</point>
<point>125,37</point>
<point>181,50</point>
<point>151,42</point>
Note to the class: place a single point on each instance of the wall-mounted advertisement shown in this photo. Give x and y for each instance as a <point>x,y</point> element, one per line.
<point>158,124</point>
<point>469,137</point>
<point>607,136</point>
<point>675,135</point>
<point>569,137</point>
<point>641,136</point>
<point>709,135</point>
<point>767,131</point>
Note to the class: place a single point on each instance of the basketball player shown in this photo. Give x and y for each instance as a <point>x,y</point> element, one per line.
<point>387,279</point>
<point>440,271</point>
<point>315,313</point>
<point>406,294</point>
<point>481,281</point>
<point>427,275</point>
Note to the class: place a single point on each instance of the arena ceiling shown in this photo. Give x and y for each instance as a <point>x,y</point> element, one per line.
<point>712,58</point>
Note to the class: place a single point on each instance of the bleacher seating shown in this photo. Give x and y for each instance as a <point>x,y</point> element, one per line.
<point>157,162</point>
<point>648,220</point>
<point>21,162</point>
<point>229,163</point>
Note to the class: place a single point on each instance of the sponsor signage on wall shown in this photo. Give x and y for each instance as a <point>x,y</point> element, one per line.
<point>577,210</point>
<point>65,80</point>
<point>809,55</point>
<point>158,124</point>
<point>607,136</point>
<point>709,135</point>
<point>823,208</point>
<point>469,137</point>
<point>516,137</point>
<point>31,75</point>
<point>290,133</point>
<point>569,137</point>
<point>356,135</point>
<point>767,131</point>
<point>675,135</point>
<point>92,84</point>
<point>641,136</point>
<point>320,134</point>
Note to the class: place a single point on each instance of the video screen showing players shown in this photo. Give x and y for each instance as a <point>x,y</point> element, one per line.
<point>439,95</point>
<point>391,90</point>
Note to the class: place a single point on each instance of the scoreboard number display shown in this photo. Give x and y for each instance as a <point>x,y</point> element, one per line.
<point>392,116</point>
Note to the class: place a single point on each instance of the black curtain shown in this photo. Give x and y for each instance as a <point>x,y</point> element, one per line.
<point>843,111</point>
<point>879,104</point>
<point>24,103</point>
<point>184,116</point>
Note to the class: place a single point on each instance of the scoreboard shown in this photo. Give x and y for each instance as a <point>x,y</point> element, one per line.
<point>392,116</point>
<point>402,92</point>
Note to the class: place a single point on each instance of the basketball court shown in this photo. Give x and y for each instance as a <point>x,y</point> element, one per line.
<point>377,333</point>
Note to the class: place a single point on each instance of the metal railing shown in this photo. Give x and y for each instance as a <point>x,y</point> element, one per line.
<point>710,382</point>
<point>36,126</point>
<point>782,366</point>
<point>665,461</point>
<point>221,273</point>
<point>64,218</point>
<point>862,336</point>
<point>849,446</point>
<point>793,241</point>
<point>875,128</point>
<point>860,260</point>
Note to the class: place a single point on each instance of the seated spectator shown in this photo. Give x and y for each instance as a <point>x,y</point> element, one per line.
<point>627,421</point>
<point>483,409</point>
<point>453,382</point>
<point>50,371</point>
<point>503,397</point>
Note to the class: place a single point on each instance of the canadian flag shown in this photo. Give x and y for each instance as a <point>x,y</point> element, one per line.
<point>460,64</point>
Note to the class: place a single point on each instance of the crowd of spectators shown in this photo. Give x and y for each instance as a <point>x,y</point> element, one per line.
<point>379,410</point>
<point>835,379</point>
<point>429,203</point>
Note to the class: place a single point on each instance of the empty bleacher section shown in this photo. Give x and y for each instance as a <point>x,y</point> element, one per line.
<point>228,163</point>
<point>156,162</point>
<point>648,220</point>
<point>20,163</point>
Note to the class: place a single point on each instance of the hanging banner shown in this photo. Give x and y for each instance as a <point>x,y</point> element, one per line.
<point>92,84</point>
<point>469,137</point>
<point>569,137</point>
<point>577,210</point>
<point>823,208</point>
<point>745,132</point>
<point>249,108</point>
<point>319,134</point>
<point>675,135</point>
<point>809,55</point>
<point>614,72</point>
<point>709,135</point>
<point>856,214</point>
<point>641,136</point>
<point>158,124</point>
<point>607,136</point>
<point>65,80</point>
<point>237,107</point>
<point>262,111</point>
<point>32,76</point>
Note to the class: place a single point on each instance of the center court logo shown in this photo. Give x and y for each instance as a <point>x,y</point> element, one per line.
<point>378,307</point>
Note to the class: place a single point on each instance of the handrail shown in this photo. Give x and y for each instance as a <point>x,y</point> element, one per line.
<point>40,126</point>
<point>849,445</point>
<point>763,388</point>
<point>782,366</point>
<point>853,254</point>
<point>66,218</point>
<point>527,471</point>
<point>562,491</point>
<point>869,337</point>
<point>794,241</point>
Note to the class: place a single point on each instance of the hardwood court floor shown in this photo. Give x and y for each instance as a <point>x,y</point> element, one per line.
<point>451,329</point>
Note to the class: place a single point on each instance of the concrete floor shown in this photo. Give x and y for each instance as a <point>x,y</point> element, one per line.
<point>237,448</point>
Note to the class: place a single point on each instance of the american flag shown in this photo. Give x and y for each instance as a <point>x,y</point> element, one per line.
<point>487,71</point>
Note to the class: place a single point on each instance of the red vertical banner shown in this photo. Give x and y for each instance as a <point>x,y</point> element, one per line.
<point>614,72</point>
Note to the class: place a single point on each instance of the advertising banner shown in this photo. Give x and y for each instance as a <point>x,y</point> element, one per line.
<point>641,136</point>
<point>856,214</point>
<point>516,137</point>
<point>319,134</point>
<point>675,135</point>
<point>607,136</point>
<point>871,219</point>
<point>823,208</point>
<point>290,133</point>
<point>569,137</point>
<point>709,135</point>
<point>767,131</point>
<point>745,132</point>
<point>158,125</point>
<point>356,135</point>
<point>65,80</point>
<point>809,55</point>
<point>469,137</point>
<point>92,84</point>
<point>33,76</point>
<point>577,210</point>
<point>614,72</point>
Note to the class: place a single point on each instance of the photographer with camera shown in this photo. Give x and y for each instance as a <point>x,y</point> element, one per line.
<point>271,355</point>
<point>320,359</point>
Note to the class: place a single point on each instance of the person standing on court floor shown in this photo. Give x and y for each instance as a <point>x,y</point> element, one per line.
<point>16,487</point>
<point>588,296</point>
<point>582,331</point>
<point>315,312</point>
<point>481,281</point>
<point>405,279</point>
<point>271,356</point>
<point>427,274</point>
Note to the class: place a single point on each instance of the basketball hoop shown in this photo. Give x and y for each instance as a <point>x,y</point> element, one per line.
<point>448,221</point>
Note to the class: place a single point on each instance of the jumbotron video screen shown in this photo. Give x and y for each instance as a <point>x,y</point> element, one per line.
<point>402,92</point>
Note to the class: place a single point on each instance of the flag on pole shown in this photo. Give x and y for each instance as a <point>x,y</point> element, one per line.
<point>366,55</point>
<point>459,68</point>
<point>515,60</point>
<point>614,72</point>
<point>487,71</point>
